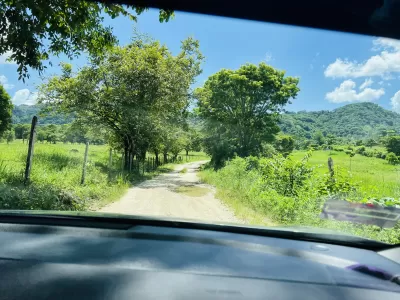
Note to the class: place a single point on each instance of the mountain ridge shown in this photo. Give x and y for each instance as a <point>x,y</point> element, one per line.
<point>356,120</point>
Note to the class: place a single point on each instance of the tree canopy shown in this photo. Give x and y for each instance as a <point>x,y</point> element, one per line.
<point>32,30</point>
<point>5,110</point>
<point>241,108</point>
<point>138,92</point>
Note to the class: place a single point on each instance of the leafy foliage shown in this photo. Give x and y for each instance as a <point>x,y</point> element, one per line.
<point>241,109</point>
<point>284,144</point>
<point>143,108</point>
<point>290,193</point>
<point>392,158</point>
<point>5,110</point>
<point>393,145</point>
<point>55,27</point>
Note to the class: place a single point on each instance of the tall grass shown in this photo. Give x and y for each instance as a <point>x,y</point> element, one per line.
<point>259,191</point>
<point>56,176</point>
<point>376,177</point>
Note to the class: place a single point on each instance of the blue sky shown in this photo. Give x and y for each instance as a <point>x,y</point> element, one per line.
<point>334,68</point>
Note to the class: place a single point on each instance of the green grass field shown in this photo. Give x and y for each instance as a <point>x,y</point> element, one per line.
<point>56,176</point>
<point>375,176</point>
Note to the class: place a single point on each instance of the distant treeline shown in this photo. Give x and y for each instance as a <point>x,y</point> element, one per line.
<point>22,114</point>
<point>353,121</point>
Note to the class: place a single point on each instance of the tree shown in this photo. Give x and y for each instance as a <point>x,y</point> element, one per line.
<point>192,141</point>
<point>32,30</point>
<point>241,108</point>
<point>5,110</point>
<point>20,129</point>
<point>284,144</point>
<point>319,138</point>
<point>370,143</point>
<point>393,145</point>
<point>392,158</point>
<point>330,139</point>
<point>135,104</point>
<point>10,136</point>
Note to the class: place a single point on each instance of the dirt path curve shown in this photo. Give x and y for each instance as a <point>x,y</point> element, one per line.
<point>162,196</point>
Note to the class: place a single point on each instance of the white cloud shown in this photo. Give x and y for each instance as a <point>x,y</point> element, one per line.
<point>268,57</point>
<point>382,64</point>
<point>395,101</point>
<point>4,57</point>
<point>4,82</point>
<point>366,83</point>
<point>24,96</point>
<point>346,93</point>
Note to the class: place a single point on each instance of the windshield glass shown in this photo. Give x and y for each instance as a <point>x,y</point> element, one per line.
<point>168,114</point>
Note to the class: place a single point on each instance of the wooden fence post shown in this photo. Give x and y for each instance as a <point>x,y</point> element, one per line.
<point>30,150</point>
<point>109,165</point>
<point>330,166</point>
<point>85,163</point>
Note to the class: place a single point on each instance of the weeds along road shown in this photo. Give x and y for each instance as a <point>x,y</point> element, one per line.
<point>177,194</point>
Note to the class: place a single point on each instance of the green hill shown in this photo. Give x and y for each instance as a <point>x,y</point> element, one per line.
<point>22,114</point>
<point>359,120</point>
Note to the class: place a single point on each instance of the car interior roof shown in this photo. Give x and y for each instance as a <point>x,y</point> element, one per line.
<point>370,17</point>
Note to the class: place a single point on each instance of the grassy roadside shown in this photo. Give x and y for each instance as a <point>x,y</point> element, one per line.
<point>56,174</point>
<point>235,199</point>
<point>256,197</point>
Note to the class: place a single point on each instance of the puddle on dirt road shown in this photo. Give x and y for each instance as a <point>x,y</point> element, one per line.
<point>192,191</point>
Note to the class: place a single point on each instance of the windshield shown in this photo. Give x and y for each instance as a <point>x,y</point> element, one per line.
<point>168,114</point>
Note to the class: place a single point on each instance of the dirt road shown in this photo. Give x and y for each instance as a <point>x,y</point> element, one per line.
<point>177,194</point>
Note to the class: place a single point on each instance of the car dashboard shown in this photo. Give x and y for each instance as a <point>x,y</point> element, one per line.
<point>50,261</point>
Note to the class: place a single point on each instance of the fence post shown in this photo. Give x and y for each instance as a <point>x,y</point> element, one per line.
<point>30,150</point>
<point>84,164</point>
<point>330,166</point>
<point>109,165</point>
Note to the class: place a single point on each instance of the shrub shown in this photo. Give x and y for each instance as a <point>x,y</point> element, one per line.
<point>392,158</point>
<point>360,150</point>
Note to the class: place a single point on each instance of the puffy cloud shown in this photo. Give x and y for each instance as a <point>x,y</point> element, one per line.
<point>366,83</point>
<point>346,93</point>
<point>4,82</point>
<point>382,64</point>
<point>395,101</point>
<point>268,57</point>
<point>4,58</point>
<point>24,96</point>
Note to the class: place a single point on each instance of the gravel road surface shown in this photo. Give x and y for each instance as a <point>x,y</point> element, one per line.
<point>176,195</point>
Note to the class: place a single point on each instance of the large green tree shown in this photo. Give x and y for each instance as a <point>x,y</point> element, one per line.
<point>393,145</point>
<point>32,30</point>
<point>241,108</point>
<point>134,91</point>
<point>5,110</point>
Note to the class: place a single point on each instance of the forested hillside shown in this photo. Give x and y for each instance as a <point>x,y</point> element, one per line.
<point>360,120</point>
<point>23,114</point>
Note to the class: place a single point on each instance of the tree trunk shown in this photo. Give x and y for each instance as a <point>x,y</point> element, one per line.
<point>157,159</point>
<point>165,157</point>
<point>187,152</point>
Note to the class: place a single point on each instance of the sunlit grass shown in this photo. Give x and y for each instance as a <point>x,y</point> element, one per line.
<point>59,167</point>
<point>375,176</point>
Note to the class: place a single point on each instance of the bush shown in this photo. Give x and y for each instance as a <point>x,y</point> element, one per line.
<point>291,193</point>
<point>392,158</point>
<point>39,197</point>
<point>360,150</point>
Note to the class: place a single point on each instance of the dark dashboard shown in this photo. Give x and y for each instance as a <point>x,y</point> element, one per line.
<point>160,262</point>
